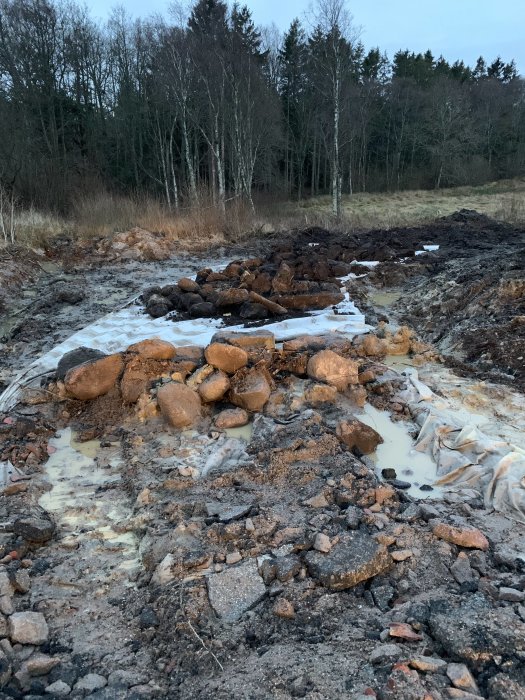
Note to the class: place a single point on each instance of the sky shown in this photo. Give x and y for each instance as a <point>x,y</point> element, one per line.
<point>458,29</point>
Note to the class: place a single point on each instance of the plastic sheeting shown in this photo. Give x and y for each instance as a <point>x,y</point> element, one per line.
<point>465,456</point>
<point>116,331</point>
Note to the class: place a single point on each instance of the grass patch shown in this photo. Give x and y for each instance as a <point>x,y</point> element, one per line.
<point>201,226</point>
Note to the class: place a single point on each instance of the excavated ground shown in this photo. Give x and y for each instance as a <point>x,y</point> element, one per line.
<point>156,584</point>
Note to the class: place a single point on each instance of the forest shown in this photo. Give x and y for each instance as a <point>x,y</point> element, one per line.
<point>204,104</point>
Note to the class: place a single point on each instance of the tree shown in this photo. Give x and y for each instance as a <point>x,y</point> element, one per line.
<point>333,56</point>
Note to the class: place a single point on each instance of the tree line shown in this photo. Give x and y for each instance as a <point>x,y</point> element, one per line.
<point>204,104</point>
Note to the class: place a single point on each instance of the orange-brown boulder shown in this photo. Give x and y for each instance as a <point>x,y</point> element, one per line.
<point>229,358</point>
<point>180,405</point>
<point>139,373</point>
<point>154,349</point>
<point>231,418</point>
<point>250,390</point>
<point>95,378</point>
<point>214,387</point>
<point>469,537</point>
<point>329,367</point>
<point>354,433</point>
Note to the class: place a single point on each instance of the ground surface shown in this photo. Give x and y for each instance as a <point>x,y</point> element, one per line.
<point>206,625</point>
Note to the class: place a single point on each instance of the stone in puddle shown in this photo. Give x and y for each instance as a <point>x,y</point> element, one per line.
<point>226,513</point>
<point>232,418</point>
<point>28,628</point>
<point>354,433</point>
<point>94,378</point>
<point>356,557</point>
<point>235,591</point>
<point>329,367</point>
<point>179,404</point>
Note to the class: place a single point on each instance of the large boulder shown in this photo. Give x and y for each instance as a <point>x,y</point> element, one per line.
<point>304,302</point>
<point>356,557</point>
<point>139,374</point>
<point>260,339</point>
<point>76,357</point>
<point>354,433</point>
<point>228,358</point>
<point>250,390</point>
<point>95,378</point>
<point>214,387</point>
<point>329,367</point>
<point>283,280</point>
<point>154,349</point>
<point>158,306</point>
<point>180,405</point>
<point>231,297</point>
<point>188,285</point>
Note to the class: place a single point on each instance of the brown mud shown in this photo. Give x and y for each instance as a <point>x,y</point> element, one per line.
<point>297,571</point>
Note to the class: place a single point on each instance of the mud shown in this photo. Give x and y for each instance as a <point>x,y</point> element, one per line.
<point>126,581</point>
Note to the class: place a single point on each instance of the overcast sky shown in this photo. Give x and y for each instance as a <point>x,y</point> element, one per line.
<point>458,29</point>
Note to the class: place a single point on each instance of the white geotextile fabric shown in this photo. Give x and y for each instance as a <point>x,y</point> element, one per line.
<point>465,456</point>
<point>116,331</point>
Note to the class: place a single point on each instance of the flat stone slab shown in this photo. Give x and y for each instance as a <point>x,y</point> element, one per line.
<point>226,513</point>
<point>236,590</point>
<point>355,558</point>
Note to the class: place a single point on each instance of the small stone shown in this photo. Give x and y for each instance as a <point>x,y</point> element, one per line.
<point>233,558</point>
<point>21,581</point>
<point>284,609</point>
<point>6,605</point>
<point>40,664</point>
<point>318,394</point>
<point>402,630</point>
<point>402,554</point>
<point>33,529</point>
<point>461,678</point>
<point>511,594</point>
<point>353,517</point>
<point>28,628</point>
<point>318,501</point>
<point>232,418</point>
<point>389,473</point>
<point>468,537</point>
<point>5,668</point>
<point>428,664</point>
<point>236,590</point>
<point>164,573</point>
<point>148,618</point>
<point>91,682</point>
<point>322,543</point>
<point>355,558</point>
<point>383,596</point>
<point>385,654</point>
<point>461,569</point>
<point>287,567</point>
<point>226,513</point>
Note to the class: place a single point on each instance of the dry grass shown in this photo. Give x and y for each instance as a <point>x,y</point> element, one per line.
<point>504,200</point>
<point>202,226</point>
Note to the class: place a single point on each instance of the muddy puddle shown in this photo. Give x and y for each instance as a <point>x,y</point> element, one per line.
<point>398,452</point>
<point>83,478</point>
